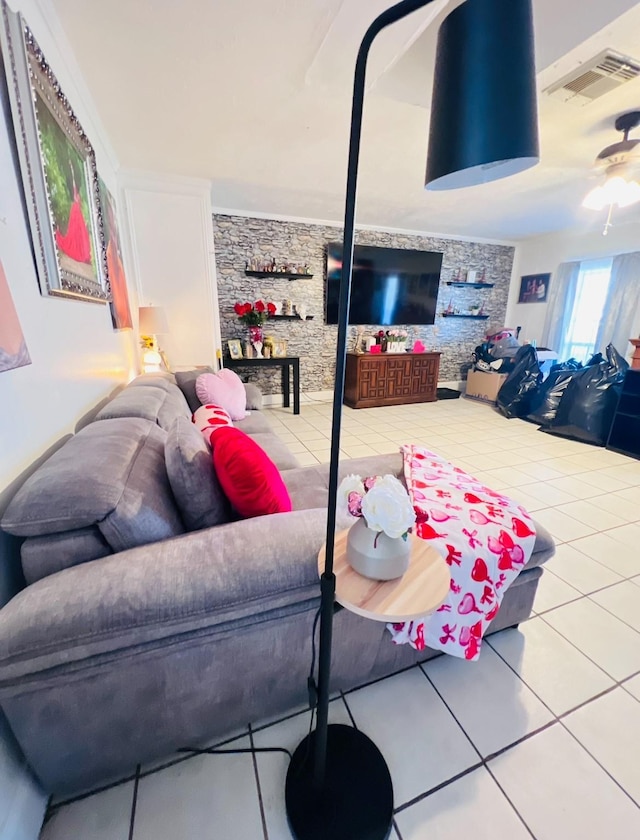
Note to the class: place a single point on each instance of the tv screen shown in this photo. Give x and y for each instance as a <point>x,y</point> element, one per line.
<point>389,285</point>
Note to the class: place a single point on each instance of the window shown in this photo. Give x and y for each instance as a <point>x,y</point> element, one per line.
<point>591,295</point>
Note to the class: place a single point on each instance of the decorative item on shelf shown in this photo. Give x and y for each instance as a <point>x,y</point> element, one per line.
<point>359,340</point>
<point>287,307</point>
<point>279,349</point>
<point>283,267</point>
<point>471,276</point>
<point>378,544</point>
<point>152,322</point>
<point>254,315</point>
<point>483,276</point>
<point>396,340</point>
<point>235,348</point>
<point>418,347</point>
<point>301,311</point>
<point>248,350</point>
<point>475,308</point>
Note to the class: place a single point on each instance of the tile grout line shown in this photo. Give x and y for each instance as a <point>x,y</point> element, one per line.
<point>258,787</point>
<point>482,763</point>
<point>134,803</point>
<point>560,718</point>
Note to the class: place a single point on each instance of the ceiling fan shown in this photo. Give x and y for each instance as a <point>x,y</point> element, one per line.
<point>617,161</point>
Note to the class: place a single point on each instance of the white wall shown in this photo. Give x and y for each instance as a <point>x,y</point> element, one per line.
<point>77,359</point>
<point>172,254</point>
<point>545,253</point>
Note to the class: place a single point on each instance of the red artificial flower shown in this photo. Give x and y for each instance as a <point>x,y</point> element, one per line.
<point>247,308</point>
<point>260,307</point>
<point>239,309</point>
<point>271,308</point>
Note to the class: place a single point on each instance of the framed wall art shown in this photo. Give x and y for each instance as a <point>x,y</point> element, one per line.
<point>58,169</point>
<point>13,348</point>
<point>534,288</point>
<point>120,309</point>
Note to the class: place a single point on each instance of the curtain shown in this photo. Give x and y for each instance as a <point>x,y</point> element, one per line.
<point>562,295</point>
<point>620,309</point>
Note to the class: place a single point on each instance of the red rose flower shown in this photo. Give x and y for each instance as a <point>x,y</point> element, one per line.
<point>238,309</point>
<point>260,307</point>
<point>271,308</point>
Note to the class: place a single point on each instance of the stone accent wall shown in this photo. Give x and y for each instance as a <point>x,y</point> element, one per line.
<point>239,239</point>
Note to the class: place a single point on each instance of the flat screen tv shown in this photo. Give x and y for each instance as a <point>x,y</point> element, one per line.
<point>390,286</point>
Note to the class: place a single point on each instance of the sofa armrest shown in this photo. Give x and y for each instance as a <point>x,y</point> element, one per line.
<point>227,574</point>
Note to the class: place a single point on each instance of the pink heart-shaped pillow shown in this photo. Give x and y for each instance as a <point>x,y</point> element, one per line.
<point>224,388</point>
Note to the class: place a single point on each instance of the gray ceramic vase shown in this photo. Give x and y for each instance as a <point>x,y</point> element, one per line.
<point>384,558</point>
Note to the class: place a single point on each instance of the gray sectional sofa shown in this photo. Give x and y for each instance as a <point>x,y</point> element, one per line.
<point>136,636</point>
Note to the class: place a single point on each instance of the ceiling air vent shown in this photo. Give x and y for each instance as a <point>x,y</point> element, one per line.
<point>594,78</point>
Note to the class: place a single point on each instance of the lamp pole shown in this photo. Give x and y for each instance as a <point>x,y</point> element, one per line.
<point>346,793</point>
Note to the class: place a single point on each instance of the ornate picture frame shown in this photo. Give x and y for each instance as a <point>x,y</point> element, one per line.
<point>58,168</point>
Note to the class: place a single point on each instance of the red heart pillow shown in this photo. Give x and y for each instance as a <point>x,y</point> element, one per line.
<point>224,388</point>
<point>209,418</point>
<point>248,477</point>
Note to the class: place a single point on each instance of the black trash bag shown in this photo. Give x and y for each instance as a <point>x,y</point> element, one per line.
<point>589,402</point>
<point>570,364</point>
<point>546,400</point>
<point>519,388</point>
<point>596,359</point>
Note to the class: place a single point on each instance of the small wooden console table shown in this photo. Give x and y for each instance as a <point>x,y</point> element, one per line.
<point>286,363</point>
<point>374,379</point>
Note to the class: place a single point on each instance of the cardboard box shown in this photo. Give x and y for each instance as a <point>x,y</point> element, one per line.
<point>484,386</point>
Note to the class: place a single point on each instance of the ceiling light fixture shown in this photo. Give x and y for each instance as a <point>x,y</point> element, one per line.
<point>619,188</point>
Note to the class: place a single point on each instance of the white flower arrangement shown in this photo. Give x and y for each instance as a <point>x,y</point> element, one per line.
<point>382,501</point>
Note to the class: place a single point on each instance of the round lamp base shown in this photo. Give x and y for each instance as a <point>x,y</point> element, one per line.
<point>356,801</point>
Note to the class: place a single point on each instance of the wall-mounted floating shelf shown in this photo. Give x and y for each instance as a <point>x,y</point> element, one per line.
<point>290,318</point>
<point>286,275</point>
<point>462,315</point>
<point>459,284</point>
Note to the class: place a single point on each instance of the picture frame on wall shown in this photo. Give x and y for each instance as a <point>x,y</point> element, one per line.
<point>58,169</point>
<point>116,277</point>
<point>534,288</point>
<point>235,348</point>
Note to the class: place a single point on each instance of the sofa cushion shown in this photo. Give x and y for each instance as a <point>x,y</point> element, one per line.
<point>112,474</point>
<point>224,388</point>
<point>186,381</point>
<point>193,478</point>
<point>254,396</point>
<point>276,450</point>
<point>43,556</point>
<point>159,405</point>
<point>249,478</point>
<point>253,423</point>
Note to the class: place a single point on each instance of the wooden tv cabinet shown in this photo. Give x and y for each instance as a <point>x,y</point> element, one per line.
<point>373,379</point>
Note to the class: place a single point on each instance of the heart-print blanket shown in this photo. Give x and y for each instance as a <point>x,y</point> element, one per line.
<point>485,537</point>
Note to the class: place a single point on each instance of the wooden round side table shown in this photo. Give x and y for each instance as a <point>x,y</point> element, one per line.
<point>420,591</point>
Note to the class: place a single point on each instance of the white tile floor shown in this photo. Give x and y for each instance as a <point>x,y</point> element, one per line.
<point>538,739</point>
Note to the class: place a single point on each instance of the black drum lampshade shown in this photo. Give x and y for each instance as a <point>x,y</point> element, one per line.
<point>483,113</point>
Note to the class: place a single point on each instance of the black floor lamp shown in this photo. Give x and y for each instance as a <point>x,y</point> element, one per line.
<point>483,127</point>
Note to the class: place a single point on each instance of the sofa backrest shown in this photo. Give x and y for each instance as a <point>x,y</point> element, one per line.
<point>105,491</point>
<point>160,402</point>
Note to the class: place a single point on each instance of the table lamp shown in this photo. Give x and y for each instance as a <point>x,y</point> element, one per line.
<point>483,127</point>
<point>152,322</point>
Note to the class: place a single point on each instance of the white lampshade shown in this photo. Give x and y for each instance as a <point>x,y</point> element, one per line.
<point>152,320</point>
